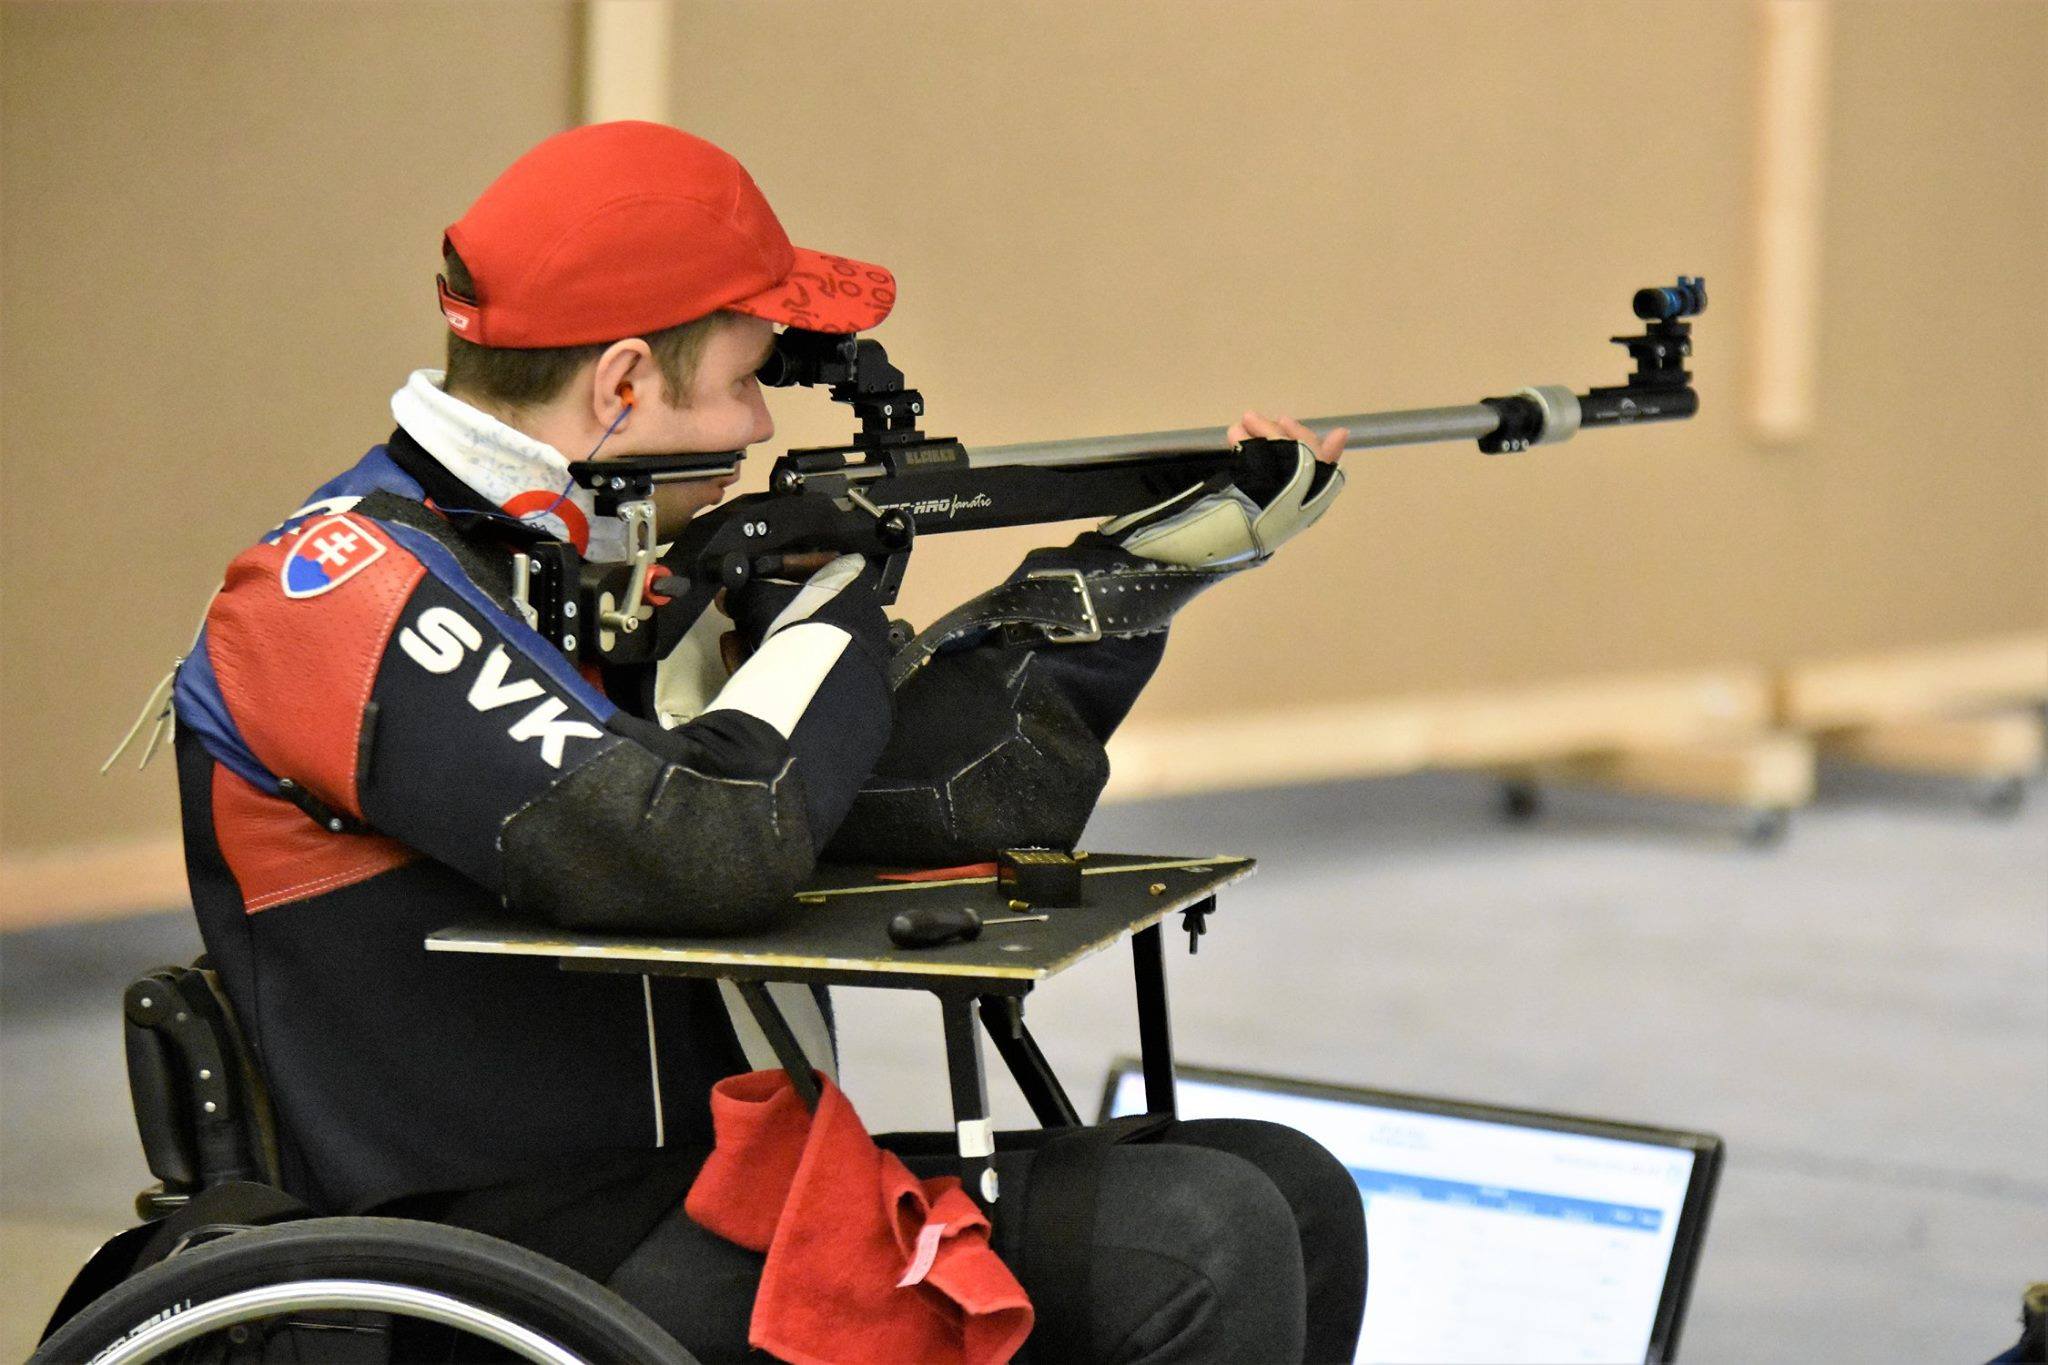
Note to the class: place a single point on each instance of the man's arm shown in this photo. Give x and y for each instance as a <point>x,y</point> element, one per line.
<point>999,742</point>
<point>406,698</point>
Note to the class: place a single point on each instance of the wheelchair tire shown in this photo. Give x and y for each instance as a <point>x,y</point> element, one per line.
<point>500,1292</point>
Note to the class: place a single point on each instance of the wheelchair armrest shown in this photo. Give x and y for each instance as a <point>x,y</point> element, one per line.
<point>199,1107</point>
<point>154,1087</point>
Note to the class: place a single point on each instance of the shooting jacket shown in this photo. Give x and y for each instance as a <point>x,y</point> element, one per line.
<point>372,745</point>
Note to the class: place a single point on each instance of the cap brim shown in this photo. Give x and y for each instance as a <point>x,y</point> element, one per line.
<point>825,294</point>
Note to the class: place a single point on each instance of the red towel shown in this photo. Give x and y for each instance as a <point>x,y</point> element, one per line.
<point>866,1263</point>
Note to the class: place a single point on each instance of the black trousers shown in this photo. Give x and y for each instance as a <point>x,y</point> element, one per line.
<point>1225,1240</point>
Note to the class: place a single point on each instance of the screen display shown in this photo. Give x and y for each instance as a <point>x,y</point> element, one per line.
<point>1489,1240</point>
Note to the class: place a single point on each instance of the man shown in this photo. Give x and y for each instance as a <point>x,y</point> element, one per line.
<point>374,744</point>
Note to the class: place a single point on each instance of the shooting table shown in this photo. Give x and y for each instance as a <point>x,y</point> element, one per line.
<point>840,937</point>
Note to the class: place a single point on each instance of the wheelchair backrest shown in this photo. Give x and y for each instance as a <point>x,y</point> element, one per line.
<point>200,1106</point>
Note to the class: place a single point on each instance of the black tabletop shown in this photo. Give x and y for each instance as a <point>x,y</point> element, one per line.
<point>840,933</point>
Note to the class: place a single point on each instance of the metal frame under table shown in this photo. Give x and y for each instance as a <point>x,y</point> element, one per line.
<point>840,938</point>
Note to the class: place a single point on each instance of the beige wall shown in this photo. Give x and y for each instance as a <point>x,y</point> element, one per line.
<point>220,227</point>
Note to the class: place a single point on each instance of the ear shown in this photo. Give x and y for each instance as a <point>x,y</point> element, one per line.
<point>624,362</point>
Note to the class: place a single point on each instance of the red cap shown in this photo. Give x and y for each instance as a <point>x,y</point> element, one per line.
<point>620,229</point>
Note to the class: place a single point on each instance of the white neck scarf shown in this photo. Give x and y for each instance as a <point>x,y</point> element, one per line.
<point>523,476</point>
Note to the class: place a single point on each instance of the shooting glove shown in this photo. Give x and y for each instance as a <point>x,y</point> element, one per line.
<point>1220,523</point>
<point>846,593</point>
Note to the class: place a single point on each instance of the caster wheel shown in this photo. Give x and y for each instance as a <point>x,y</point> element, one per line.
<point>2002,798</point>
<point>1766,828</point>
<point>1520,802</point>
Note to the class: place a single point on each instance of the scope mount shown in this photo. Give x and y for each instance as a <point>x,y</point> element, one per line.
<point>855,371</point>
<point>1661,386</point>
<point>1664,345</point>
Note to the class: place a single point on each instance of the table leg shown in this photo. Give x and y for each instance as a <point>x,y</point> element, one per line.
<point>783,1039</point>
<point>971,1124</point>
<point>1003,1017</point>
<point>1155,1028</point>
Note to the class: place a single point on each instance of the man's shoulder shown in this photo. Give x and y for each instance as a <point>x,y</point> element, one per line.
<point>326,587</point>
<point>362,603</point>
<point>376,473</point>
<point>352,557</point>
<point>362,540</point>
<point>321,599</point>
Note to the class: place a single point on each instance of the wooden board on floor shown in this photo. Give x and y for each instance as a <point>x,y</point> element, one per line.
<point>1762,772</point>
<point>2004,744</point>
<point>1913,684</point>
<point>1437,730</point>
<point>94,881</point>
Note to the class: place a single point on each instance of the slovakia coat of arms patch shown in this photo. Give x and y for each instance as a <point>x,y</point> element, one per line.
<point>327,554</point>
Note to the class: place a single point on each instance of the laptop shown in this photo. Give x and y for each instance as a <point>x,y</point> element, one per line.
<point>1494,1234</point>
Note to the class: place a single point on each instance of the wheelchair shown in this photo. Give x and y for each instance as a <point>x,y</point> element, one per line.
<point>227,1268</point>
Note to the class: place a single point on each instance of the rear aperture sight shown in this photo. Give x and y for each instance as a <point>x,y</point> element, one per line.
<point>1681,300</point>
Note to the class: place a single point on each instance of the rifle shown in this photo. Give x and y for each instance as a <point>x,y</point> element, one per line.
<point>892,483</point>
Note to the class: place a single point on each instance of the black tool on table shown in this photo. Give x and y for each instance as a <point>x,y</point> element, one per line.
<point>930,926</point>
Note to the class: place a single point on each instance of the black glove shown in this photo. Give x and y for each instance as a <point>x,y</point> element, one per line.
<point>845,593</point>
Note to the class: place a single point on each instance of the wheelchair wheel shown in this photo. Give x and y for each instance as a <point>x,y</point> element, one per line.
<point>348,1289</point>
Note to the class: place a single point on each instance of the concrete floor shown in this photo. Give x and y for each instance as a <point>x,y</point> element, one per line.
<point>1861,1013</point>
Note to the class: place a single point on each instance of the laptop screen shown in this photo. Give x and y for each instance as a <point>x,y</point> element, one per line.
<point>1495,1234</point>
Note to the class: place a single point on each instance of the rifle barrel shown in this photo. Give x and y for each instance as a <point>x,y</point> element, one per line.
<point>1416,426</point>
